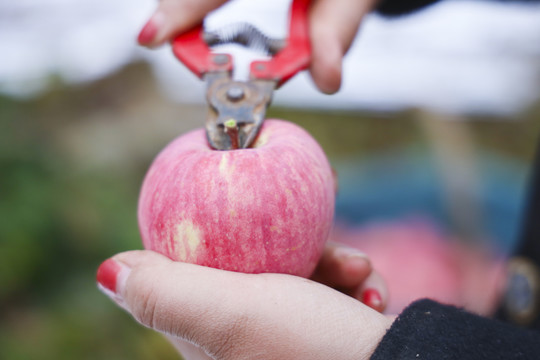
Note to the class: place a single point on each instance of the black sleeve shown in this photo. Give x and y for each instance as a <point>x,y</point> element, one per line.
<point>401,7</point>
<point>428,330</point>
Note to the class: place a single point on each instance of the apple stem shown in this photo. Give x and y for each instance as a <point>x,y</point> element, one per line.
<point>231,129</point>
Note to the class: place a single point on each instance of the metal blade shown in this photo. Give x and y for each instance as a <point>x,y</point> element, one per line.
<point>239,104</point>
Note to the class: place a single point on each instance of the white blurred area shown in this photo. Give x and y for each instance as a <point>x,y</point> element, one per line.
<point>463,57</point>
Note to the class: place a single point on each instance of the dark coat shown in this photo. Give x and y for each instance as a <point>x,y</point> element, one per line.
<point>428,330</point>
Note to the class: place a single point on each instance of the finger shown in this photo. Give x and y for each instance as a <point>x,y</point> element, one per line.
<point>173,17</point>
<point>373,292</point>
<point>342,268</point>
<point>333,26</point>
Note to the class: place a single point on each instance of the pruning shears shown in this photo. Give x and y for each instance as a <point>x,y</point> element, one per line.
<point>237,108</point>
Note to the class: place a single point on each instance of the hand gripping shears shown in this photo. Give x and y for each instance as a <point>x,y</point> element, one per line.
<point>237,108</point>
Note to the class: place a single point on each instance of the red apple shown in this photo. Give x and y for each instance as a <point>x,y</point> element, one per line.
<point>264,209</point>
<point>418,260</point>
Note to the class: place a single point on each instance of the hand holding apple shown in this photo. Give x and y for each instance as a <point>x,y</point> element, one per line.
<point>214,314</point>
<point>225,315</point>
<point>264,209</point>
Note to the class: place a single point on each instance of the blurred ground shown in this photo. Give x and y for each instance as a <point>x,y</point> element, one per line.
<point>72,161</point>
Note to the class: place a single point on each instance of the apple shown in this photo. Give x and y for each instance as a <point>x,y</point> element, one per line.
<point>419,260</point>
<point>268,208</point>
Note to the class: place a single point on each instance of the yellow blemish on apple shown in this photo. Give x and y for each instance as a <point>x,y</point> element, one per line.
<point>224,164</point>
<point>262,139</point>
<point>187,239</point>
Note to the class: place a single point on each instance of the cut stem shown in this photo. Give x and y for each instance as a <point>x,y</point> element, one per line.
<point>231,129</point>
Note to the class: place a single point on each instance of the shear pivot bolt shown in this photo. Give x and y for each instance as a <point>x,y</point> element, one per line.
<point>221,59</point>
<point>235,93</point>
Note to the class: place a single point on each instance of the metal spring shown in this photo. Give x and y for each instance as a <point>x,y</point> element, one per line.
<point>246,35</point>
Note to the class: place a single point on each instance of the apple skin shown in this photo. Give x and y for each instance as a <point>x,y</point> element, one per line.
<point>268,208</point>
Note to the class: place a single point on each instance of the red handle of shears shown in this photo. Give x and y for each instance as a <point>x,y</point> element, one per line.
<point>192,50</point>
<point>295,56</point>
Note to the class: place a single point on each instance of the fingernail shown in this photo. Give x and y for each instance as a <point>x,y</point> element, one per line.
<point>111,277</point>
<point>372,298</point>
<point>350,253</point>
<point>150,30</point>
<point>148,33</point>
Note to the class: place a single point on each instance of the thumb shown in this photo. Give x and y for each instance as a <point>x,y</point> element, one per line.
<point>178,299</point>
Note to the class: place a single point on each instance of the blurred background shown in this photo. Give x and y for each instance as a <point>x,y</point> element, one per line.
<point>432,135</point>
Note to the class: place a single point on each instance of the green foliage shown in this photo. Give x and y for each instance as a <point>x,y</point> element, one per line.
<point>57,223</point>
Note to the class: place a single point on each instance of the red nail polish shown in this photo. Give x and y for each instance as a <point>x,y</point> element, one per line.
<point>148,33</point>
<point>372,298</point>
<point>107,274</point>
